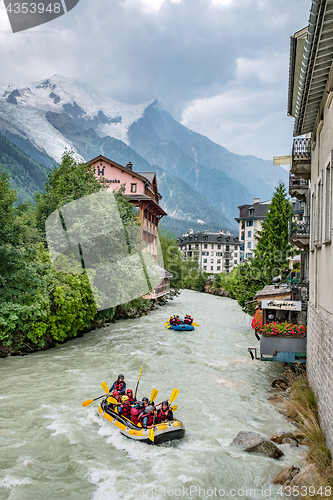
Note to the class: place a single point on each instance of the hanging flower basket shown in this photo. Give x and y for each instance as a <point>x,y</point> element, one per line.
<point>284,329</point>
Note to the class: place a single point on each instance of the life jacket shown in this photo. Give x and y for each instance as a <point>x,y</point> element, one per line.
<point>187,321</point>
<point>126,407</point>
<point>135,412</point>
<point>164,415</point>
<point>131,399</point>
<point>150,420</point>
<point>118,386</point>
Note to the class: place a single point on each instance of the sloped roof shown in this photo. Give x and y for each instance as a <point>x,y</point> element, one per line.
<point>316,66</point>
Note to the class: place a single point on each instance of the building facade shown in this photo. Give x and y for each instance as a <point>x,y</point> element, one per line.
<point>310,103</point>
<point>142,191</point>
<point>251,219</point>
<point>215,252</point>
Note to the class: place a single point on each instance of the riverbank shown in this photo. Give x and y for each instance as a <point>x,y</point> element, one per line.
<point>137,308</point>
<point>294,398</point>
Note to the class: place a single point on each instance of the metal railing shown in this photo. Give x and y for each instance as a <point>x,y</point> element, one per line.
<point>300,227</point>
<point>301,149</point>
<point>297,182</point>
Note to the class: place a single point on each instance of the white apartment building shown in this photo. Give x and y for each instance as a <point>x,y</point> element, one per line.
<point>216,252</point>
<point>250,220</point>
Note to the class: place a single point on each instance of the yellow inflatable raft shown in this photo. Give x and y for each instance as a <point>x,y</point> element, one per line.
<point>165,431</point>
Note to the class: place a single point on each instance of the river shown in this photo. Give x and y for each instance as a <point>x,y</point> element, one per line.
<point>53,448</point>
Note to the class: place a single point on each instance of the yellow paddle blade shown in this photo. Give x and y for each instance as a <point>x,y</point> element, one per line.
<point>195,324</point>
<point>173,396</point>
<point>151,435</point>
<point>105,387</point>
<point>168,327</point>
<point>140,374</point>
<point>167,323</point>
<point>153,395</point>
<point>87,403</point>
<point>174,407</point>
<point>112,400</point>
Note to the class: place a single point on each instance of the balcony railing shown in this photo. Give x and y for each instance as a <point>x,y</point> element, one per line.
<point>301,227</point>
<point>297,182</point>
<point>301,149</point>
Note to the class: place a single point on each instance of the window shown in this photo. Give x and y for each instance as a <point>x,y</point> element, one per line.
<point>212,246</point>
<point>235,254</point>
<point>133,188</point>
<point>212,253</point>
<point>205,268</point>
<point>235,261</point>
<point>218,254</point>
<point>189,254</point>
<point>211,268</point>
<point>205,253</point>
<point>219,247</point>
<point>319,212</point>
<point>190,247</point>
<point>205,261</point>
<point>249,223</point>
<point>249,244</point>
<point>328,203</point>
<point>235,248</point>
<point>212,261</point>
<point>205,245</point>
<point>218,268</point>
<point>197,245</point>
<point>227,248</point>
<point>219,261</point>
<point>249,234</point>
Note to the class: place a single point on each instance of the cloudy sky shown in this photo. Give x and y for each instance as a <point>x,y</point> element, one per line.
<point>218,66</point>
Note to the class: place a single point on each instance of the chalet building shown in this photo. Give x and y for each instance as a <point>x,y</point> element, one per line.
<point>251,219</point>
<point>216,252</point>
<point>141,190</point>
<point>310,99</point>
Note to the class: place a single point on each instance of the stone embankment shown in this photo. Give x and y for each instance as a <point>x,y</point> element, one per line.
<point>221,292</point>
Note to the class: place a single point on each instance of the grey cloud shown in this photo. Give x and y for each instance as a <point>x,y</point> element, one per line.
<point>185,51</point>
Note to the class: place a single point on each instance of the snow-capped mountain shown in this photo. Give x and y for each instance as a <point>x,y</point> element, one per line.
<point>32,107</point>
<point>44,118</point>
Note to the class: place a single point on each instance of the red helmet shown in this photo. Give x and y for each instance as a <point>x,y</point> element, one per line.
<point>115,393</point>
<point>129,391</point>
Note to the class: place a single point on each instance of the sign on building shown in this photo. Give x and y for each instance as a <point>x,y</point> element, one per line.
<point>286,305</point>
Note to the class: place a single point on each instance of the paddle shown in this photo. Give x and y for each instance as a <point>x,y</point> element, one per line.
<point>174,408</point>
<point>168,327</point>
<point>105,387</point>
<point>167,323</point>
<point>195,324</point>
<point>137,385</point>
<point>89,401</point>
<point>112,400</point>
<point>174,394</point>
<point>153,395</point>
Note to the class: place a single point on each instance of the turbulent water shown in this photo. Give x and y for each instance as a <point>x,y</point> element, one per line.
<point>53,448</point>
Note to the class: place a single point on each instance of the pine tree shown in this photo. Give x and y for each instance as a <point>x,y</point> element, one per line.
<point>273,247</point>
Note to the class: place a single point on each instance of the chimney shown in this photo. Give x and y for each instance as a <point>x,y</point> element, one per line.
<point>256,200</point>
<point>129,165</point>
<point>221,231</point>
<point>191,231</point>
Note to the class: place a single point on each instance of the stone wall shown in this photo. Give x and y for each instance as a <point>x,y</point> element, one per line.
<point>319,368</point>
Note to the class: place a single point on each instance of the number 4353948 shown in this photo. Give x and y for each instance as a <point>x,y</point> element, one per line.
<point>303,491</point>
<point>33,8</point>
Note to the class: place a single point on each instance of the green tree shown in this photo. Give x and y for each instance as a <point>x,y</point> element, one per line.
<point>68,181</point>
<point>273,247</point>
<point>172,258</point>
